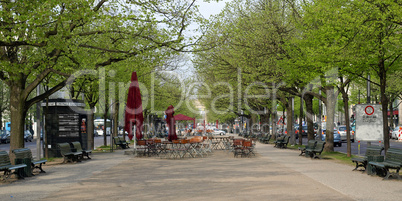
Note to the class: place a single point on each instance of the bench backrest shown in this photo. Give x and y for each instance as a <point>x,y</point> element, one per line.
<point>394,155</point>
<point>77,146</point>
<point>4,158</point>
<point>64,147</point>
<point>122,139</point>
<point>22,153</point>
<point>319,147</point>
<point>280,137</point>
<point>116,140</point>
<point>286,139</point>
<point>374,150</point>
<point>311,144</point>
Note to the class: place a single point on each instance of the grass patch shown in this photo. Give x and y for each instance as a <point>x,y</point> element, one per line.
<point>49,159</point>
<point>296,146</point>
<point>338,157</point>
<point>102,148</point>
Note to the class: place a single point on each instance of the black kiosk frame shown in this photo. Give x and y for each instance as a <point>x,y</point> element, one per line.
<point>65,122</point>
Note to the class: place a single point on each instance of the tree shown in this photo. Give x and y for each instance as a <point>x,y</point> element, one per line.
<point>41,38</point>
<point>355,37</point>
<point>4,102</point>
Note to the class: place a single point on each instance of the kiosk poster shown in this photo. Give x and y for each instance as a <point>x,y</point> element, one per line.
<point>69,125</point>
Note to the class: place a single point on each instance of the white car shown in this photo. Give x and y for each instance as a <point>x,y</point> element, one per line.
<point>396,132</point>
<point>100,132</point>
<point>218,132</point>
<point>342,131</point>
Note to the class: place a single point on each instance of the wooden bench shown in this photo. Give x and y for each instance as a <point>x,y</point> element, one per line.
<point>77,147</point>
<point>393,160</point>
<point>265,139</point>
<point>310,145</point>
<point>312,152</point>
<point>26,153</point>
<point>7,167</point>
<point>283,142</point>
<point>119,141</point>
<point>68,154</point>
<point>370,151</point>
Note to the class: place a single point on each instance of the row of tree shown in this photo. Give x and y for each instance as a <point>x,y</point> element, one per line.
<point>270,51</point>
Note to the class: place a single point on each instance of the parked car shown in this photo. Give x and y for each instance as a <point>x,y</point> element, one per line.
<point>100,132</point>
<point>216,131</point>
<point>337,137</point>
<point>396,132</point>
<point>304,131</point>
<point>5,136</point>
<point>342,132</point>
<point>27,136</point>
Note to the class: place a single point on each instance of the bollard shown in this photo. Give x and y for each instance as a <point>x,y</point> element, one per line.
<point>358,148</point>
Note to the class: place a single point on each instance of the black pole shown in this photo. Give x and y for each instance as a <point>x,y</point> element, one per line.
<point>368,89</point>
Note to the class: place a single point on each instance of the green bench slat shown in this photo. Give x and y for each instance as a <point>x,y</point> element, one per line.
<point>370,151</point>
<point>24,153</point>
<point>7,167</point>
<point>393,160</point>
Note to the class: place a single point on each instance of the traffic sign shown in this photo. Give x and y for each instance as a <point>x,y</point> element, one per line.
<point>369,123</point>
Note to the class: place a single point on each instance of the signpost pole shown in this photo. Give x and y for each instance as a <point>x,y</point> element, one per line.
<point>368,98</point>
<point>358,148</point>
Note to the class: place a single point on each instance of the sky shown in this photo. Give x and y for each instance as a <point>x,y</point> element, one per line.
<point>212,8</point>
<point>206,9</point>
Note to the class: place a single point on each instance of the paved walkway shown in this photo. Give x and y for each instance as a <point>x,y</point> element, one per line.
<point>274,174</point>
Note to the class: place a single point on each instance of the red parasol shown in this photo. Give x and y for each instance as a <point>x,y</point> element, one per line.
<point>171,123</point>
<point>133,113</point>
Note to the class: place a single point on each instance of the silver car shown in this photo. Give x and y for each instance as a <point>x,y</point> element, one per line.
<point>342,132</point>
<point>218,132</point>
<point>396,132</point>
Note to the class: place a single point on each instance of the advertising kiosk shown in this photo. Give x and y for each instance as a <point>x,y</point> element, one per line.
<point>65,121</point>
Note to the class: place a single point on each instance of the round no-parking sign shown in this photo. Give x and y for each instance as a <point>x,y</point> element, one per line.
<point>369,110</point>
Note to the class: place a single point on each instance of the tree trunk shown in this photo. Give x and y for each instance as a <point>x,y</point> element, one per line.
<point>391,111</point>
<point>90,129</point>
<point>309,114</point>
<point>274,124</point>
<point>345,99</point>
<point>289,121</point>
<point>330,108</point>
<point>105,126</point>
<point>250,123</point>
<point>17,109</point>
<point>115,117</point>
<point>265,122</point>
<point>384,104</point>
<point>301,122</point>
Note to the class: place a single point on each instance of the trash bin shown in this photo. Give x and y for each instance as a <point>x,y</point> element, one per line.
<point>27,171</point>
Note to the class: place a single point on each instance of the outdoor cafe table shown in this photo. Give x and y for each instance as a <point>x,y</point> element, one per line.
<point>221,142</point>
